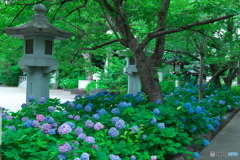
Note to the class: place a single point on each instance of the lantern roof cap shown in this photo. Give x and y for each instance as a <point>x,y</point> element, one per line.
<point>38,25</point>
<point>177,59</point>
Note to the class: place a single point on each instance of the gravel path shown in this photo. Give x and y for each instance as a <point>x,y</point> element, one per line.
<point>13,97</point>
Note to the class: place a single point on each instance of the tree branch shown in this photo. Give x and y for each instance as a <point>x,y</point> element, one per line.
<point>77,8</point>
<point>160,32</point>
<point>182,52</point>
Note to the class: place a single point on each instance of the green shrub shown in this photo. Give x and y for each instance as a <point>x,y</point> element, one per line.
<point>9,76</point>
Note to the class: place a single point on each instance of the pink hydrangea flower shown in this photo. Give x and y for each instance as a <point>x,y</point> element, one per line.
<point>40,118</point>
<point>154,157</point>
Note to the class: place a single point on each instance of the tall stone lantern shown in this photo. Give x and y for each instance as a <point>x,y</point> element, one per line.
<point>38,60</point>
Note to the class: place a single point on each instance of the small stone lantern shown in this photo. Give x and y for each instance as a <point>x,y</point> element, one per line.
<point>134,84</point>
<point>177,63</point>
<point>38,61</point>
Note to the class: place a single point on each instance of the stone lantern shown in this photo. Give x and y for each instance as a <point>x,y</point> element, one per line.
<point>134,84</point>
<point>38,60</point>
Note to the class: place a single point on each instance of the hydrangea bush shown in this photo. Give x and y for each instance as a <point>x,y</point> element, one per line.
<point>107,126</point>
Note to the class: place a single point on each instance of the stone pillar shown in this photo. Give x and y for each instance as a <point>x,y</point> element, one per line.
<point>134,84</point>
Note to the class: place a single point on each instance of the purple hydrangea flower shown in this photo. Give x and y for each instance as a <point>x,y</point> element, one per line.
<point>154,157</point>
<point>98,126</point>
<point>64,129</point>
<point>85,156</point>
<point>77,117</point>
<point>40,118</point>
<point>102,112</point>
<point>120,124</point>
<point>49,120</point>
<point>28,123</point>
<point>23,105</point>
<point>114,157</point>
<point>206,142</point>
<point>71,105</point>
<point>114,119</point>
<point>96,116</point>
<point>89,124</point>
<point>115,111</point>
<point>71,124</point>
<point>156,111</point>
<point>51,109</point>
<point>161,125</point>
<point>153,121</point>
<point>54,125</point>
<point>4,115</point>
<point>45,128</point>
<point>135,129</point>
<point>64,112</point>
<point>70,116</point>
<point>35,124</point>
<point>79,106</point>
<point>12,128</point>
<point>113,132</point>
<point>88,108</point>
<point>42,100</point>
<point>24,118</point>
<point>78,130</point>
<point>94,146</point>
<point>31,98</point>
<point>82,136</point>
<point>89,139</point>
<point>66,147</point>
<point>77,158</point>
<point>75,143</point>
<point>9,117</point>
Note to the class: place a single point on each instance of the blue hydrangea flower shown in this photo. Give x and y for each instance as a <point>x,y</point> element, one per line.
<point>120,124</point>
<point>49,120</point>
<point>70,116</point>
<point>139,98</point>
<point>115,111</point>
<point>113,132</point>
<point>114,157</point>
<point>190,111</point>
<point>71,105</point>
<point>24,118</point>
<point>88,108</point>
<point>102,112</point>
<point>229,106</point>
<point>124,105</point>
<point>161,125</point>
<point>187,105</point>
<point>51,109</point>
<point>129,95</point>
<point>77,96</point>
<point>135,129</point>
<point>79,106</point>
<point>23,105</point>
<point>94,146</point>
<point>64,112</point>
<point>133,157</point>
<point>28,124</point>
<point>216,123</point>
<point>199,109</point>
<point>194,128</point>
<point>42,100</point>
<point>61,156</point>
<point>52,131</point>
<point>196,155</point>
<point>156,111</point>
<point>206,142</point>
<point>114,119</point>
<point>71,124</point>
<point>96,116</point>
<point>222,102</point>
<point>35,124</point>
<point>210,127</point>
<point>183,120</point>
<point>153,121</point>
<point>158,102</point>
<point>144,136</point>
<point>9,117</point>
<point>194,99</point>
<point>105,92</point>
<point>85,156</point>
<point>98,126</point>
<point>66,147</point>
